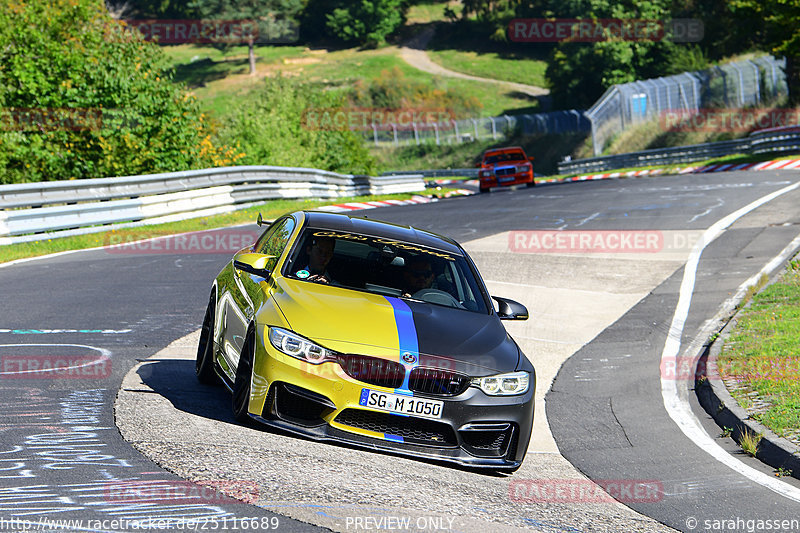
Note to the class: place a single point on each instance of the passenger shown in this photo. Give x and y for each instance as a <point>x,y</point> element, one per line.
<point>320,253</point>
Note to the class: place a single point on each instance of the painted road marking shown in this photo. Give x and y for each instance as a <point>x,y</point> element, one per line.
<point>46,331</point>
<point>675,402</point>
<point>105,355</point>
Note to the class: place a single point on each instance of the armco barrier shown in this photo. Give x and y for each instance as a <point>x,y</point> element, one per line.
<point>434,173</point>
<point>34,211</point>
<point>774,140</point>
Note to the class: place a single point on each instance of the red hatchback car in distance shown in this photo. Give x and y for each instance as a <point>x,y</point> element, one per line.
<point>505,166</point>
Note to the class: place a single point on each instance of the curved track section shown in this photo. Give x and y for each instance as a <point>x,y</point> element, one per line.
<point>612,310</point>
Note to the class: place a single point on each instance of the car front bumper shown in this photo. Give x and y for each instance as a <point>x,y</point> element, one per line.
<point>322,402</point>
<point>507,180</point>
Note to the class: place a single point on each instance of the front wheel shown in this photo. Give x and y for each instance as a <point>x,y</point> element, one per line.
<point>241,385</point>
<point>204,364</point>
<point>484,189</point>
<point>531,183</point>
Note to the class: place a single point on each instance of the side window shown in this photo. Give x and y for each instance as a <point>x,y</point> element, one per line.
<point>274,241</point>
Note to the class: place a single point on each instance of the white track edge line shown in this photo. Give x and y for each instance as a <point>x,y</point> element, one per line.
<point>679,409</point>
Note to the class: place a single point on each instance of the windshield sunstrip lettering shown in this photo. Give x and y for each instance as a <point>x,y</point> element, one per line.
<point>377,240</point>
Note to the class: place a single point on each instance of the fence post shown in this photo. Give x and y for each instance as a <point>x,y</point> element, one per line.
<point>758,81</point>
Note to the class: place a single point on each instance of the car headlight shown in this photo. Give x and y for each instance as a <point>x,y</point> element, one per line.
<point>523,168</point>
<point>299,347</point>
<point>504,384</point>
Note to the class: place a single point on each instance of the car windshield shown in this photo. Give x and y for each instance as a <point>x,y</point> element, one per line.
<point>386,266</point>
<point>505,156</point>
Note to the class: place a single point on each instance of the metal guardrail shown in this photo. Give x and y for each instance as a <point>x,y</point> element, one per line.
<point>773,140</point>
<point>434,173</point>
<point>34,211</point>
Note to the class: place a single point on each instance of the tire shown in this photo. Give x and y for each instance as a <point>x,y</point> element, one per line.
<point>531,183</point>
<point>484,189</point>
<point>204,364</point>
<point>241,385</point>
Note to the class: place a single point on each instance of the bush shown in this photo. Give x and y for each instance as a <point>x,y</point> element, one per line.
<point>366,22</point>
<point>83,97</point>
<point>271,129</point>
<point>392,90</point>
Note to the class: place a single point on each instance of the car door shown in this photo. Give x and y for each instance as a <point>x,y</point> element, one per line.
<point>249,290</point>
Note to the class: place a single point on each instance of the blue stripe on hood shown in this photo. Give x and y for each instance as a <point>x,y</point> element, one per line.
<point>407,337</point>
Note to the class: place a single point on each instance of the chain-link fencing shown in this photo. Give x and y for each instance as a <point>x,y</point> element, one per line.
<point>749,83</point>
<point>473,129</point>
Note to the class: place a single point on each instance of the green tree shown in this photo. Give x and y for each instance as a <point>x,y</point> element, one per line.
<point>579,72</point>
<point>780,33</point>
<point>82,97</point>
<point>276,20</point>
<point>367,22</point>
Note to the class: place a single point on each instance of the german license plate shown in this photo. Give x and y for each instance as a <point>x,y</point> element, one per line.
<point>506,179</point>
<point>396,403</point>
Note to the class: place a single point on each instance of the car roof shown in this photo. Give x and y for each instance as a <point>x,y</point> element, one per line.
<point>359,224</point>
<point>503,150</point>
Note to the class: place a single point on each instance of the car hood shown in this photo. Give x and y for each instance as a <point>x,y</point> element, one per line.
<point>511,163</point>
<point>351,321</point>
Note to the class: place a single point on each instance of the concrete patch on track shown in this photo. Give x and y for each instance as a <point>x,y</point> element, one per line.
<point>601,288</point>
<point>188,429</point>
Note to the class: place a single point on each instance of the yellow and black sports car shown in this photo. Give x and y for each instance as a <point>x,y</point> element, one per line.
<point>382,336</point>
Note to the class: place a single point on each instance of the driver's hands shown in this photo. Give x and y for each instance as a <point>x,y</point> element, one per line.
<point>318,278</point>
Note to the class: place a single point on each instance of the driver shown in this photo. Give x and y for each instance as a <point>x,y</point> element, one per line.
<point>320,253</point>
<point>417,275</point>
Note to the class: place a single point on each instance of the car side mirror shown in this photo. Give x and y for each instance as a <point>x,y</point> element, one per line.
<point>510,310</point>
<point>253,263</point>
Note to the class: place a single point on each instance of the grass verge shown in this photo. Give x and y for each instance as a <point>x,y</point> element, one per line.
<point>269,211</point>
<point>219,80</point>
<point>465,46</point>
<point>759,361</point>
<point>492,65</point>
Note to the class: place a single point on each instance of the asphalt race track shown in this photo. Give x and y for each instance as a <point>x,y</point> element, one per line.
<point>607,315</point>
